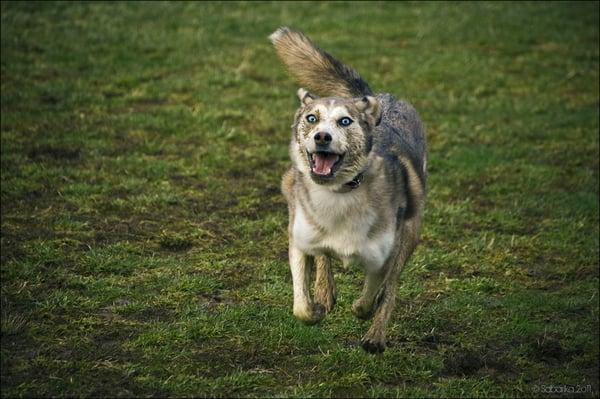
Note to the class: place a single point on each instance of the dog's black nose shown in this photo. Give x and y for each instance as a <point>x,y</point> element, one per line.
<point>322,138</point>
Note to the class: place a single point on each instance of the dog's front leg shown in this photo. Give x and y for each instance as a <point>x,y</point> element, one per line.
<point>304,308</point>
<point>324,284</point>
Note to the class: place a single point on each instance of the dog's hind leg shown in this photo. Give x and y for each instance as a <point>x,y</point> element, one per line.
<point>374,339</point>
<point>304,308</point>
<point>365,306</point>
<point>324,285</point>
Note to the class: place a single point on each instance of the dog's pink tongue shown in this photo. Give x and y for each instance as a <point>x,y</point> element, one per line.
<point>324,163</point>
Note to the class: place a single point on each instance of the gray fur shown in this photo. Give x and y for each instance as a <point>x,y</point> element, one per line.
<point>309,64</point>
<point>376,220</point>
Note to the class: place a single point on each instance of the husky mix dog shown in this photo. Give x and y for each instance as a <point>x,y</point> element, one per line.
<point>356,187</point>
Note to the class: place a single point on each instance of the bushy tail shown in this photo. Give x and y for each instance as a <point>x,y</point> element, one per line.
<point>315,69</point>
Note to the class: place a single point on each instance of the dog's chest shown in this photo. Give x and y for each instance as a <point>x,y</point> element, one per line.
<point>345,224</point>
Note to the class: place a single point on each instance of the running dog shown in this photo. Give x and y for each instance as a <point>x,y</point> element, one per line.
<point>356,188</point>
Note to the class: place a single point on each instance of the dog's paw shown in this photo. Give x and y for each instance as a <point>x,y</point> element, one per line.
<point>326,298</point>
<point>372,346</point>
<point>374,340</point>
<point>311,315</point>
<point>361,310</point>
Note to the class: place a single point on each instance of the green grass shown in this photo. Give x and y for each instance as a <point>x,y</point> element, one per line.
<point>144,234</point>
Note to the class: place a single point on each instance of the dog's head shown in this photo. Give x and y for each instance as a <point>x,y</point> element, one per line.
<point>333,136</point>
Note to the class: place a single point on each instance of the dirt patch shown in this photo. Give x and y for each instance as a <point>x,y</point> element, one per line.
<point>550,350</point>
<point>112,94</point>
<point>214,301</point>
<point>240,172</point>
<point>54,152</point>
<point>463,363</point>
<point>110,232</point>
<point>159,314</point>
<point>217,234</point>
<point>175,242</point>
<point>14,236</point>
<point>237,277</point>
<point>433,340</point>
<point>469,362</point>
<point>187,182</point>
<point>213,206</point>
<point>49,99</point>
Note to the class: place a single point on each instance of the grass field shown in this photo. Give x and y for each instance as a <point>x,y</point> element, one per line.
<point>144,248</point>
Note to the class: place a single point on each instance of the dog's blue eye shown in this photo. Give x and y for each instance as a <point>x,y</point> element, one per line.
<point>311,118</point>
<point>345,121</point>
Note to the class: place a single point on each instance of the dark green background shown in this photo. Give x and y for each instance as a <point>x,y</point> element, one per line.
<point>144,235</point>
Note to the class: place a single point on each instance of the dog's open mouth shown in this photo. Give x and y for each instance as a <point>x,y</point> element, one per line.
<point>323,163</point>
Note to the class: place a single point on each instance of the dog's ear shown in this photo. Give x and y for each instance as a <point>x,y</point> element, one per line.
<point>370,106</point>
<point>305,97</point>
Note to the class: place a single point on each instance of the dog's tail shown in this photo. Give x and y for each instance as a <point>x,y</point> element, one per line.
<point>314,68</point>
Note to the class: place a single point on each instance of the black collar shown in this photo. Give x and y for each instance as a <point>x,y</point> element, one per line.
<point>352,184</point>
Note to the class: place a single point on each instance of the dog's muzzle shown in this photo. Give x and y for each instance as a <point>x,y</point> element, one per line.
<point>324,163</point>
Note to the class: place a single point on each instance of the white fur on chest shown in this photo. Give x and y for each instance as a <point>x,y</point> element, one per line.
<point>344,222</point>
